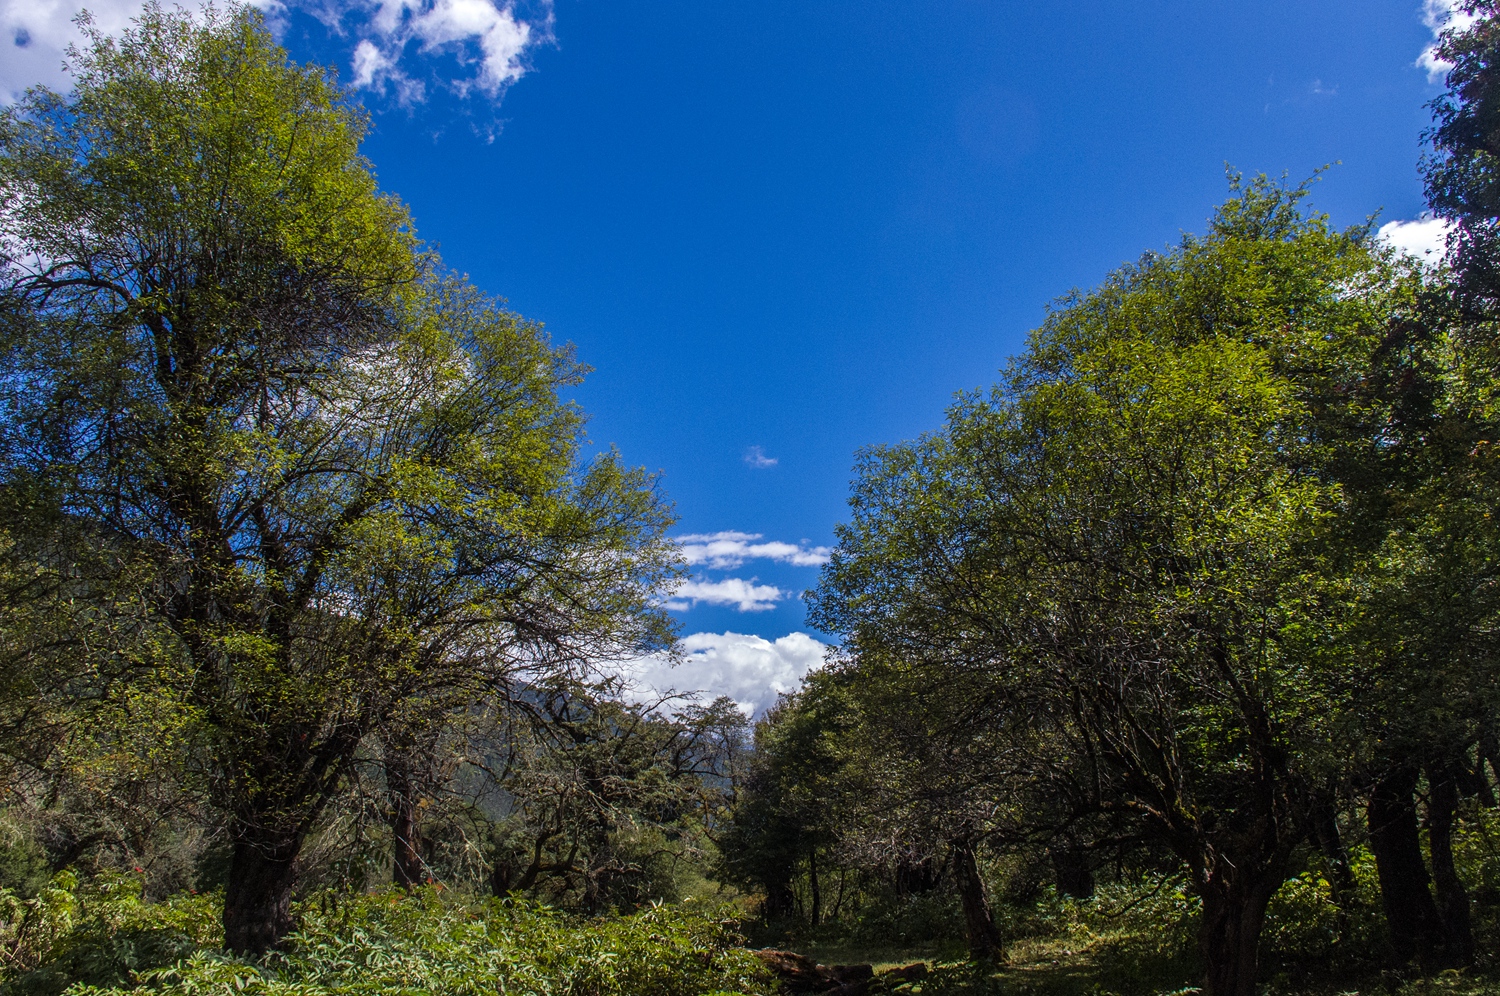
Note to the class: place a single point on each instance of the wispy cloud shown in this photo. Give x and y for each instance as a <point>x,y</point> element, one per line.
<point>1425,238</point>
<point>751,670</point>
<point>756,457</point>
<point>730,549</point>
<point>1440,15</point>
<point>747,596</point>
<point>402,46</point>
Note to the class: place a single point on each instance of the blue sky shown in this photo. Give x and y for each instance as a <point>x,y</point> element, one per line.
<point>782,231</point>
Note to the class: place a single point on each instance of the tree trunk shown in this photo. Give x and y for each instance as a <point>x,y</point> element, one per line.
<point>258,898</point>
<point>780,901</point>
<point>502,873</point>
<point>979,924</point>
<point>1071,871</point>
<point>1234,910</point>
<point>1335,855</point>
<point>408,870</point>
<point>1412,920</point>
<point>812,881</point>
<point>1452,899</point>
<point>916,877</point>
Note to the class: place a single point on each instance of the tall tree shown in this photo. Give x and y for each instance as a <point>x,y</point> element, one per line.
<point>1127,529</point>
<point>348,478</point>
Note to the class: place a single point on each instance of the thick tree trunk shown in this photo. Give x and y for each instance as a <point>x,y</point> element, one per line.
<point>1411,916</point>
<point>1071,870</point>
<point>258,898</point>
<point>916,877</point>
<point>408,870</point>
<point>979,923</point>
<point>502,873</point>
<point>1452,899</point>
<point>780,901</point>
<point>1234,910</point>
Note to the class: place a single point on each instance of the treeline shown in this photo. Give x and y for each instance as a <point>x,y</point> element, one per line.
<point>306,578</point>
<point>1208,582</point>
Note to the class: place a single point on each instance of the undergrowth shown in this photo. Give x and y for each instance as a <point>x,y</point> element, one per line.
<point>103,940</point>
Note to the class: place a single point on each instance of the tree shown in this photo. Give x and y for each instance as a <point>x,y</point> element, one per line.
<point>345,478</point>
<point>1421,523</point>
<point>1463,173</point>
<point>789,811</point>
<point>1124,538</point>
<point>600,799</point>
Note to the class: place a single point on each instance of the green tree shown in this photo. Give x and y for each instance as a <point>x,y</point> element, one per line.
<point>1421,526</point>
<point>339,479</point>
<point>601,800</point>
<point>1463,172</point>
<point>789,811</point>
<point>1125,538</point>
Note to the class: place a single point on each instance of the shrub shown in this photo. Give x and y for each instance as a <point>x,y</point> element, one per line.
<point>103,941</point>
<point>99,934</point>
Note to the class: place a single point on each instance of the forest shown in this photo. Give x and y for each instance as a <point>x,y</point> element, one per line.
<point>1169,664</point>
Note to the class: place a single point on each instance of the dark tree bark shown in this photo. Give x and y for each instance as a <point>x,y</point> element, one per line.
<point>1411,916</point>
<point>1452,899</point>
<point>979,923</point>
<point>916,876</point>
<point>814,885</point>
<point>258,899</point>
<point>1071,870</point>
<point>502,873</point>
<point>408,870</point>
<point>780,901</point>
<point>1234,910</point>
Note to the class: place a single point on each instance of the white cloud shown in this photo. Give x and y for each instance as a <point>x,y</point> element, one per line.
<point>1424,238</point>
<point>370,63</point>
<point>1440,15</point>
<point>749,669</point>
<point>731,549</point>
<point>35,35</point>
<point>487,38</point>
<point>756,457</point>
<point>747,596</point>
<point>487,34</point>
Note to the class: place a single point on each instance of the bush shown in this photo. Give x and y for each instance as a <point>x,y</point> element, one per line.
<point>103,941</point>
<point>902,921</point>
<point>99,934</point>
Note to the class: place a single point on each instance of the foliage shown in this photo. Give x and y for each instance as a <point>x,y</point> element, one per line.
<point>1109,574</point>
<point>600,801</point>
<point>104,939</point>
<point>98,933</point>
<point>331,479</point>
